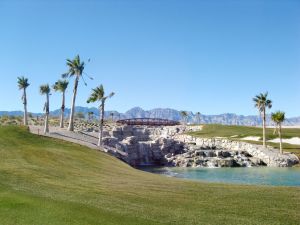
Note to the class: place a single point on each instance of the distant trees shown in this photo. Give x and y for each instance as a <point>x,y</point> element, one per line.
<point>198,116</point>
<point>76,68</point>
<point>90,116</point>
<point>61,86</point>
<point>80,115</point>
<point>112,116</point>
<point>23,84</point>
<point>278,118</point>
<point>98,95</point>
<point>262,103</point>
<point>184,116</point>
<point>45,90</point>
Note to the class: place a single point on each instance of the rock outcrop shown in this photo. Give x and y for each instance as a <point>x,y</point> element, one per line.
<point>170,146</point>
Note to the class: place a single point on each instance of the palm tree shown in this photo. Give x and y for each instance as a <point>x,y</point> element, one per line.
<point>184,116</point>
<point>61,86</point>
<point>45,90</point>
<point>198,114</point>
<point>23,84</point>
<point>278,117</point>
<point>76,68</point>
<point>263,103</point>
<point>98,94</point>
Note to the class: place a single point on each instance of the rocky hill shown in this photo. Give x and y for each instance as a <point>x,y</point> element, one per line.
<point>166,113</point>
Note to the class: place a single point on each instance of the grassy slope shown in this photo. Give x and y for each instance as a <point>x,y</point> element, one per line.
<point>46,181</point>
<point>216,130</point>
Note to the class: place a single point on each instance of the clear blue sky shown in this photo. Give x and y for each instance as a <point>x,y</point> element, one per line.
<point>208,56</point>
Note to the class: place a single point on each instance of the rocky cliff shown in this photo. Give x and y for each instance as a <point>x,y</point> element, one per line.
<point>171,114</point>
<point>169,146</point>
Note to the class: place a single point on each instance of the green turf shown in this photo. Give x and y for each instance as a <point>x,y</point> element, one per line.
<point>238,132</point>
<point>217,130</point>
<point>47,181</point>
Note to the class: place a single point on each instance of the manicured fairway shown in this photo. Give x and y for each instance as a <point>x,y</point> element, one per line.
<point>46,181</point>
<point>238,132</point>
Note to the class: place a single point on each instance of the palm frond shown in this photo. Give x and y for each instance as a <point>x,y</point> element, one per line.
<point>278,117</point>
<point>22,82</point>
<point>98,94</point>
<point>44,89</point>
<point>60,85</point>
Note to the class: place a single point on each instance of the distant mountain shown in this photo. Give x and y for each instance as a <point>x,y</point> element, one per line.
<point>166,113</point>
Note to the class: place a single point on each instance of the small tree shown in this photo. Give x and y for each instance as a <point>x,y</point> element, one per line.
<point>198,115</point>
<point>45,90</point>
<point>90,116</point>
<point>80,115</point>
<point>278,118</point>
<point>23,84</point>
<point>184,116</point>
<point>112,116</point>
<point>98,95</point>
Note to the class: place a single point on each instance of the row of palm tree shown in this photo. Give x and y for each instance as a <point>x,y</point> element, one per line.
<point>262,103</point>
<point>75,69</point>
<point>60,85</point>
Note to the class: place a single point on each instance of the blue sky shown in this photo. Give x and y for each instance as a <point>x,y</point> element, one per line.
<point>208,56</point>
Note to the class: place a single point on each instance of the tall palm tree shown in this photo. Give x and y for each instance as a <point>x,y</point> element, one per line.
<point>45,90</point>
<point>278,117</point>
<point>23,84</point>
<point>198,114</point>
<point>61,86</point>
<point>184,116</point>
<point>262,103</point>
<point>98,95</point>
<point>76,68</point>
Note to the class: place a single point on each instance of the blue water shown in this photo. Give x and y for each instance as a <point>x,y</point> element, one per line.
<point>245,175</point>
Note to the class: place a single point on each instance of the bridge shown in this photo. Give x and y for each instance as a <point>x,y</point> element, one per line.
<point>148,122</point>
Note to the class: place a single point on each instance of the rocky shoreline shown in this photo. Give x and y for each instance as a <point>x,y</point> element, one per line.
<point>169,146</point>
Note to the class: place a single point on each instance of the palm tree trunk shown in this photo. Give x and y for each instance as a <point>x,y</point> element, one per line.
<point>62,111</point>
<point>71,121</point>
<point>280,138</point>
<point>264,128</point>
<point>101,123</point>
<point>46,129</point>
<point>25,108</point>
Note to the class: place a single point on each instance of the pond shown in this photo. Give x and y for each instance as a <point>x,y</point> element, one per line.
<point>246,175</point>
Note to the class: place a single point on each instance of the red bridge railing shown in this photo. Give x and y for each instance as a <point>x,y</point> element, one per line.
<point>148,122</point>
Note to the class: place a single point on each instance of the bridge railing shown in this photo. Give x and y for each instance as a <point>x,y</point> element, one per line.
<point>148,122</point>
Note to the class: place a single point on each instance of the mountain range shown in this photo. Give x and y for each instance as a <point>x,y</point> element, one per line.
<point>166,113</point>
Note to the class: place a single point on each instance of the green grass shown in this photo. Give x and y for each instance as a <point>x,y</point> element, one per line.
<point>238,132</point>
<point>47,181</point>
<point>217,130</point>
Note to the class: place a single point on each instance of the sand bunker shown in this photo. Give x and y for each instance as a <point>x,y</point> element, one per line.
<point>293,141</point>
<point>251,138</point>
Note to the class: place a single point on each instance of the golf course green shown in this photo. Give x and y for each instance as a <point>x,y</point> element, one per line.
<point>48,181</point>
